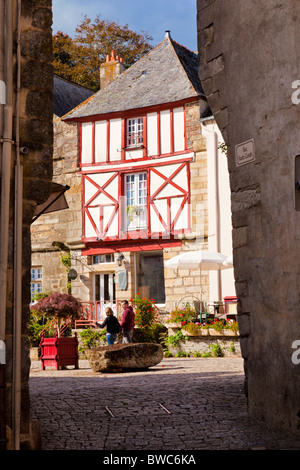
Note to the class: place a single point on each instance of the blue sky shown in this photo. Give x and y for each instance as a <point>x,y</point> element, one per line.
<point>155,17</point>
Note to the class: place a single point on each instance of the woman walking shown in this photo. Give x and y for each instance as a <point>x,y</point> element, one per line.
<point>113,327</point>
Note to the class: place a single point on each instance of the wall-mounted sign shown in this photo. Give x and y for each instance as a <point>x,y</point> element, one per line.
<point>72,274</point>
<point>244,153</point>
<point>2,352</point>
<point>2,92</point>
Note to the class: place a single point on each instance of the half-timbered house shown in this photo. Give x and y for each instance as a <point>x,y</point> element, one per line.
<point>142,160</point>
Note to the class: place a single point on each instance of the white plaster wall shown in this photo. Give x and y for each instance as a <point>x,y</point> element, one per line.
<point>152,134</point>
<point>100,141</point>
<point>86,142</point>
<point>178,123</point>
<point>218,194</point>
<point>165,126</point>
<point>115,143</point>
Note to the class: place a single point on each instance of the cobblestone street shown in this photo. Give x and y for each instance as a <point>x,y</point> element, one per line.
<point>180,404</point>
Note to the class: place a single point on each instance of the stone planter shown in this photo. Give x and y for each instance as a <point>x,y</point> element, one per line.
<point>188,333</point>
<point>118,357</point>
<point>201,332</point>
<point>173,325</point>
<point>204,332</point>
<point>213,332</point>
<point>227,332</point>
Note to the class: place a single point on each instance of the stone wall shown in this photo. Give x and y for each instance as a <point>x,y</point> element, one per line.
<point>36,135</point>
<point>248,63</point>
<point>63,226</point>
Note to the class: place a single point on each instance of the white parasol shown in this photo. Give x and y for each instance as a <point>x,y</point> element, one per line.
<point>205,260</point>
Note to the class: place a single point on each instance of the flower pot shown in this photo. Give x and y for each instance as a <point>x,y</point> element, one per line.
<point>59,352</point>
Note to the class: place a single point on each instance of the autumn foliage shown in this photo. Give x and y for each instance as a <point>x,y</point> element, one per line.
<point>78,59</point>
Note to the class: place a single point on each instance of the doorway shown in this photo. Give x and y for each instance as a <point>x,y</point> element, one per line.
<point>104,293</point>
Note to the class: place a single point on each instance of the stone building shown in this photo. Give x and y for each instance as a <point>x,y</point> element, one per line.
<point>146,130</point>
<point>48,273</point>
<point>249,70</point>
<point>26,82</point>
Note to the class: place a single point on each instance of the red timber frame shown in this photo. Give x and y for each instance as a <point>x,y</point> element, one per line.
<point>124,116</point>
<point>165,219</point>
<point>146,164</point>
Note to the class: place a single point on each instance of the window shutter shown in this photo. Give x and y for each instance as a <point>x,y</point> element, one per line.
<point>122,279</point>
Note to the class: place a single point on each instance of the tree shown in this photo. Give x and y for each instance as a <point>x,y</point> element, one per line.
<point>79,59</point>
<point>59,306</point>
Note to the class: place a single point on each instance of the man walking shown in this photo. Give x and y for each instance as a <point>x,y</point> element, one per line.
<point>127,322</point>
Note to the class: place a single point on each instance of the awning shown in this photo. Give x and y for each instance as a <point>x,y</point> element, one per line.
<point>55,202</point>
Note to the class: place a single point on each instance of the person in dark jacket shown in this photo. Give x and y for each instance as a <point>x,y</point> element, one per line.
<point>127,322</point>
<point>113,327</point>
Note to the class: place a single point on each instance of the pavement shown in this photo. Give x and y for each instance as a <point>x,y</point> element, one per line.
<point>181,404</point>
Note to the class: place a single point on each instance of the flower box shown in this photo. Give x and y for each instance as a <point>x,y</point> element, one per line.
<point>214,332</point>
<point>188,333</point>
<point>204,332</point>
<point>227,332</point>
<point>59,352</point>
<point>200,332</point>
<point>173,325</point>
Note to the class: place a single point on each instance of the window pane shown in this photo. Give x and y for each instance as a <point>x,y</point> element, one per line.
<point>134,132</point>
<point>136,200</point>
<point>150,277</point>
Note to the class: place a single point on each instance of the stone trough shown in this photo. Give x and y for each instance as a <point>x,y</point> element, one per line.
<point>118,357</point>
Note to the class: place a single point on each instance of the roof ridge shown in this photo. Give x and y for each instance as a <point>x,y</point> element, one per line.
<point>172,76</point>
<point>172,41</point>
<point>72,83</point>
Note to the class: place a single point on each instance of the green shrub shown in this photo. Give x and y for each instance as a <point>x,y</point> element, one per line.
<point>216,350</point>
<point>152,334</point>
<point>182,354</point>
<point>90,338</point>
<point>184,314</point>
<point>174,340</point>
<point>145,313</point>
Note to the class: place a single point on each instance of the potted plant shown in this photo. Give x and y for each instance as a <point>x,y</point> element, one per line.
<point>180,315</point>
<point>59,351</point>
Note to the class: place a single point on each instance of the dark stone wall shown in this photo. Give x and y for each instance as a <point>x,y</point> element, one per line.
<point>249,56</point>
<point>36,133</point>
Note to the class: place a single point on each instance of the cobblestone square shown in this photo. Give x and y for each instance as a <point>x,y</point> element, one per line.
<point>180,404</point>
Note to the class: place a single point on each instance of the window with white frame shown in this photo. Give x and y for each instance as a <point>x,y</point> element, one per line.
<point>107,258</point>
<point>134,132</point>
<point>36,282</point>
<point>136,200</point>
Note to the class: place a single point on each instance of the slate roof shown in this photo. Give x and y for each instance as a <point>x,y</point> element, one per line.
<point>166,74</point>
<point>67,95</point>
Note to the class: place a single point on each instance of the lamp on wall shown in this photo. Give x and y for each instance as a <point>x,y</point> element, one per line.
<point>120,259</point>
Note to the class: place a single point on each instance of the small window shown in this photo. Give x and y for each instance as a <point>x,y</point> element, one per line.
<point>107,258</point>
<point>36,286</point>
<point>134,135</point>
<point>36,273</point>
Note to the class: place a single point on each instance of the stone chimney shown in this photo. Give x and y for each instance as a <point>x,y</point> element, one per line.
<point>110,69</point>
